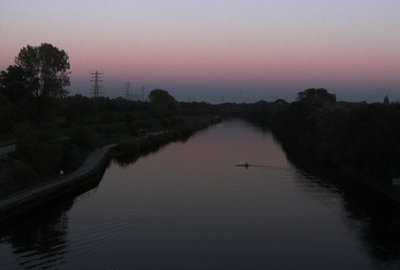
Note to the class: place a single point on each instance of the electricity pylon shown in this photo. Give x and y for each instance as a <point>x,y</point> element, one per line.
<point>128,92</point>
<point>96,91</point>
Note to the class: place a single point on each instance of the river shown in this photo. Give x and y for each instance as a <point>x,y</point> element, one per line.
<point>187,206</point>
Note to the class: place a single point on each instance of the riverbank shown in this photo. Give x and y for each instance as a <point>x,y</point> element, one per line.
<point>358,142</point>
<point>129,150</point>
<point>189,197</point>
<point>92,169</point>
<point>372,190</point>
<point>86,174</point>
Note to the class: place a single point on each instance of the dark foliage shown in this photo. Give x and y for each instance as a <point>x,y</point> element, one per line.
<point>358,139</point>
<point>162,102</point>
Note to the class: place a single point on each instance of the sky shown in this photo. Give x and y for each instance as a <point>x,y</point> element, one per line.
<point>217,50</point>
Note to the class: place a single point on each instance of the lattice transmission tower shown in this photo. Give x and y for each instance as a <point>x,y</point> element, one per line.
<point>96,91</point>
<point>128,91</point>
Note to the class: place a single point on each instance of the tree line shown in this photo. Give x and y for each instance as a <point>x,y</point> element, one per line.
<point>33,91</point>
<point>359,140</point>
<point>55,131</point>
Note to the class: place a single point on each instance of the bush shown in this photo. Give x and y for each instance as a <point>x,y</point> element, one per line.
<point>141,125</point>
<point>23,176</point>
<point>26,140</point>
<point>133,131</point>
<point>128,147</point>
<point>72,157</point>
<point>82,138</point>
<point>48,157</point>
<point>129,117</point>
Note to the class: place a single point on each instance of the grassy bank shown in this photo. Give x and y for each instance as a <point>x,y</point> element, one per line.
<point>130,150</point>
<point>38,161</point>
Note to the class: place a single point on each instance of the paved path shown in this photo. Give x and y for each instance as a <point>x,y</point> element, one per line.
<point>7,149</point>
<point>28,194</point>
<point>11,148</point>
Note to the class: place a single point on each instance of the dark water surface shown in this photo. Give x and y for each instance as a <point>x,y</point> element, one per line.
<point>188,207</point>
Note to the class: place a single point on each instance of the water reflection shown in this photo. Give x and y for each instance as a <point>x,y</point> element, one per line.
<point>371,216</point>
<point>188,207</point>
<point>377,222</point>
<point>374,218</point>
<point>134,151</point>
<point>38,237</point>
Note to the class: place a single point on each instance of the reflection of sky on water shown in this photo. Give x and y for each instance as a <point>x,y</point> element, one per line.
<point>188,207</point>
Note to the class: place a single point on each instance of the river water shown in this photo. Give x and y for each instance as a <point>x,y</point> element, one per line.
<point>188,207</point>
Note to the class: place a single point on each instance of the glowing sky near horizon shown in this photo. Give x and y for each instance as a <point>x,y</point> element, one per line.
<point>204,50</point>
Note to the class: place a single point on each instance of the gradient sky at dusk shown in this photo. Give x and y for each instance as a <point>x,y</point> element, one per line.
<point>204,50</point>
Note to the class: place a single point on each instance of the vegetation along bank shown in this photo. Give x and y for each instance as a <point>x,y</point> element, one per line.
<point>53,132</point>
<point>359,142</point>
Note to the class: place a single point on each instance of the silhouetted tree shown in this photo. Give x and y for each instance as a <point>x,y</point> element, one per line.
<point>16,98</point>
<point>162,102</point>
<point>46,70</point>
<point>359,140</point>
<point>316,96</point>
<point>76,109</point>
<point>7,115</point>
<point>15,83</point>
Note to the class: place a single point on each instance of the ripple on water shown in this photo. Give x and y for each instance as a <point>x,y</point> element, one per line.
<point>189,207</point>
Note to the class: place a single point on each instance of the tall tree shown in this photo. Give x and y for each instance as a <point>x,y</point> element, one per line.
<point>47,73</point>
<point>48,69</point>
<point>162,102</point>
<point>16,98</point>
<point>316,96</point>
<point>14,84</point>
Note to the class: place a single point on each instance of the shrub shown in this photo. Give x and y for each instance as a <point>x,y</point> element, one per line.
<point>82,138</point>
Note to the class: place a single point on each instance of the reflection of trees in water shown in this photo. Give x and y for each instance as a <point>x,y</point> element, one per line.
<point>38,236</point>
<point>375,219</point>
<point>129,152</point>
<point>380,222</point>
<point>126,158</point>
<point>372,216</point>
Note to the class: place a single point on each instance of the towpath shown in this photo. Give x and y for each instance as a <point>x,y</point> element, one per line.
<point>7,149</point>
<point>29,194</point>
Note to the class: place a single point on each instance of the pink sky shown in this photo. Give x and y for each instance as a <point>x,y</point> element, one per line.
<point>209,49</point>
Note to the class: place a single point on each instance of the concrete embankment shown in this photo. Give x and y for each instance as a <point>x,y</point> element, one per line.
<point>88,173</point>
